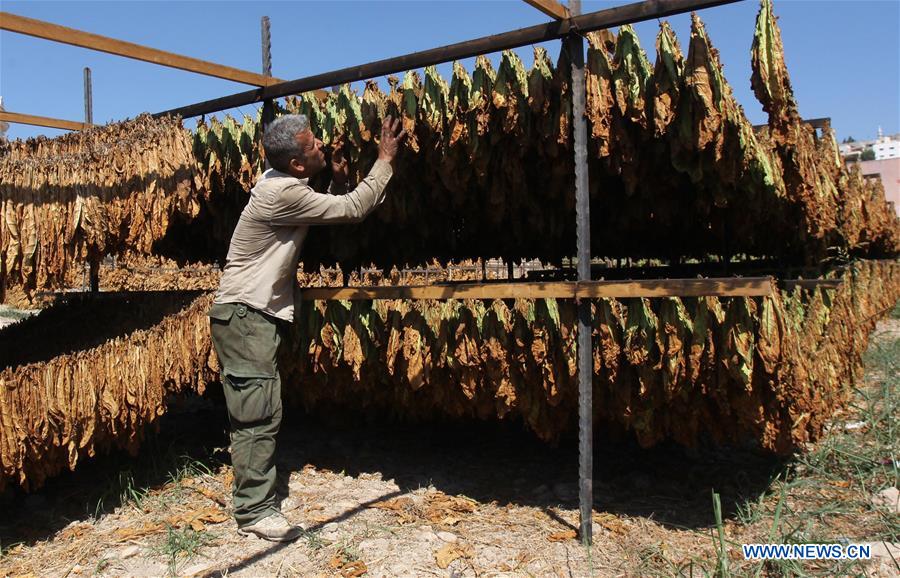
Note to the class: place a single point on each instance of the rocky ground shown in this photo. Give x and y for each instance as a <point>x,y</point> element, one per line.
<point>469,500</point>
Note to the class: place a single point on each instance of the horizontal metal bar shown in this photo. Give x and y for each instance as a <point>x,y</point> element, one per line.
<point>724,287</point>
<point>628,14</point>
<point>45,121</point>
<point>813,122</point>
<point>57,33</point>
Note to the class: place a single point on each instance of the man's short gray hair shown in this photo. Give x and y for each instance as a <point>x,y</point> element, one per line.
<point>280,140</point>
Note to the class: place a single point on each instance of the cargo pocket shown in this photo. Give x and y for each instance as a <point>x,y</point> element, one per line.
<point>249,399</point>
<point>245,341</point>
<point>258,337</point>
<point>221,311</point>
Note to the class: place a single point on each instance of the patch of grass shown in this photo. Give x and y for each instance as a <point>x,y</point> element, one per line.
<point>653,560</point>
<point>752,510</point>
<point>863,458</point>
<point>590,557</point>
<point>129,491</point>
<point>188,467</point>
<point>372,530</point>
<point>313,540</point>
<point>822,496</point>
<point>122,489</point>
<point>136,486</point>
<point>347,552</point>
<point>102,565</point>
<point>184,544</point>
<point>721,544</point>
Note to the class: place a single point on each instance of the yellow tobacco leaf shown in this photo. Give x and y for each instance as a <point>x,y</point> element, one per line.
<point>563,536</point>
<point>354,569</point>
<point>450,552</point>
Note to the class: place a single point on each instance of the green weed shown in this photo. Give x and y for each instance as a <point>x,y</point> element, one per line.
<point>183,544</point>
<point>721,545</point>
<point>186,468</point>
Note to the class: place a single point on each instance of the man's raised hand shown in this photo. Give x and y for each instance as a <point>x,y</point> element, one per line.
<point>339,166</point>
<point>390,139</point>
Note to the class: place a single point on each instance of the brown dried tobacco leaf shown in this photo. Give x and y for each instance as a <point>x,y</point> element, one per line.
<point>79,197</point>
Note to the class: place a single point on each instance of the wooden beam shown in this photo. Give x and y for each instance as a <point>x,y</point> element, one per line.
<point>551,8</point>
<point>464,291</point>
<point>57,33</point>
<point>724,287</point>
<point>42,121</point>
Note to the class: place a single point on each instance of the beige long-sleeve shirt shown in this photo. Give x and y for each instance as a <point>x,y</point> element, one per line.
<point>261,266</point>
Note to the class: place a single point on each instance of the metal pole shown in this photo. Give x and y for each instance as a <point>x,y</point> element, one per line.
<point>268,111</point>
<point>94,273</point>
<point>575,44</point>
<point>88,97</point>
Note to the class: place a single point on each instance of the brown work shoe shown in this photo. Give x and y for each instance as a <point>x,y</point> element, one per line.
<point>274,528</point>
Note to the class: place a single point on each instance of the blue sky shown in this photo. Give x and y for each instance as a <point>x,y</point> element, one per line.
<point>843,55</point>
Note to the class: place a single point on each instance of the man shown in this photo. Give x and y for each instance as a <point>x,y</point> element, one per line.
<point>255,301</point>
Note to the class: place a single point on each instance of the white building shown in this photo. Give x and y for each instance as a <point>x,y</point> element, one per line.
<point>884,147</point>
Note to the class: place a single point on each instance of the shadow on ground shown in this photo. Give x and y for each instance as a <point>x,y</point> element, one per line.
<point>488,462</point>
<point>504,463</point>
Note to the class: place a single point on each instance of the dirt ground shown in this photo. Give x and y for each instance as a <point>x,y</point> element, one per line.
<point>466,500</point>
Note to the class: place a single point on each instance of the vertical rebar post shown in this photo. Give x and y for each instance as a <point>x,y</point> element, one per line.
<point>88,97</point>
<point>268,112</point>
<point>575,45</point>
<point>94,273</point>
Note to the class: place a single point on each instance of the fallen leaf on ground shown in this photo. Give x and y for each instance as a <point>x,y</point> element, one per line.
<point>126,534</point>
<point>403,507</point>
<point>610,522</point>
<point>450,552</point>
<point>197,519</point>
<point>347,568</point>
<point>73,532</point>
<point>394,504</point>
<point>442,507</point>
<point>204,491</point>
<point>564,536</point>
<point>354,569</point>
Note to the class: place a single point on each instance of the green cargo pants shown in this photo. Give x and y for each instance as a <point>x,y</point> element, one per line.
<point>247,342</point>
